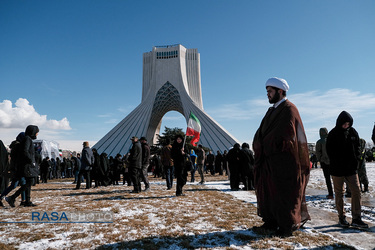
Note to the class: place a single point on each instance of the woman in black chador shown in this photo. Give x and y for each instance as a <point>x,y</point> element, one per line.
<point>178,153</point>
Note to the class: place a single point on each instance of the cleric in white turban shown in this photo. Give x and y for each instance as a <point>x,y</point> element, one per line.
<point>277,83</point>
<point>282,164</point>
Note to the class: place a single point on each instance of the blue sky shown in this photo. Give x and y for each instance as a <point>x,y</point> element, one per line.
<point>75,67</point>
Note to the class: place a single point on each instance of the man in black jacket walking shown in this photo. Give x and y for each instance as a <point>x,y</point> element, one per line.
<point>343,149</point>
<point>28,167</point>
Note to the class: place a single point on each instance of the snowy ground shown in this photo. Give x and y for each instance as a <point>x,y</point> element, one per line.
<point>209,216</point>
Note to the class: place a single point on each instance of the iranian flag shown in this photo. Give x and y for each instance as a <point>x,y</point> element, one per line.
<point>193,129</point>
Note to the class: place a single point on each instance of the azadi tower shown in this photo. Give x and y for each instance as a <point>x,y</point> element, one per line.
<point>171,82</point>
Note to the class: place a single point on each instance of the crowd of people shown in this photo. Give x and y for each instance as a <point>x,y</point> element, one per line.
<point>278,170</point>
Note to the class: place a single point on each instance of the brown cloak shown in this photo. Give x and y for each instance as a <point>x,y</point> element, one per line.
<point>282,167</point>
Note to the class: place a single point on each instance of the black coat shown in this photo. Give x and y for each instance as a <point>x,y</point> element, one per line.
<point>135,157</point>
<point>343,147</point>
<point>3,159</point>
<point>246,161</point>
<point>28,166</point>
<point>176,153</point>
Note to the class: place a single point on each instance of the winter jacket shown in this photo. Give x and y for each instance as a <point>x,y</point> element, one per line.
<point>145,154</point>
<point>201,156</point>
<point>321,147</point>
<point>135,157</point>
<point>343,147</point>
<point>27,165</point>
<point>166,158</point>
<point>87,159</point>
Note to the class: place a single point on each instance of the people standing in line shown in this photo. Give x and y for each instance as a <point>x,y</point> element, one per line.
<point>343,148</point>
<point>234,167</point>
<point>4,167</point>
<point>322,157</point>
<point>178,156</point>
<point>44,168</point>
<point>27,167</point>
<point>145,162</point>
<point>247,166</point>
<point>77,166</point>
<point>95,172</point>
<point>15,156</point>
<point>87,161</point>
<point>58,168</point>
<point>117,166</point>
<point>219,163</point>
<point>52,169</point>
<point>282,165</point>
<point>125,172</point>
<point>135,164</point>
<point>210,160</point>
<point>225,162</point>
<point>167,162</point>
<point>157,165</point>
<point>314,160</point>
<point>201,157</point>
<point>362,174</point>
<point>193,159</point>
<point>69,169</point>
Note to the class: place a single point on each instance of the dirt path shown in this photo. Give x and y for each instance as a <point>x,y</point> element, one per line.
<point>327,222</point>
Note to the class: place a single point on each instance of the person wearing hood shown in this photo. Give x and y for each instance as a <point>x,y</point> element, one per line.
<point>343,148</point>
<point>14,157</point>
<point>322,157</point>
<point>27,166</point>
<point>193,158</point>
<point>282,165</point>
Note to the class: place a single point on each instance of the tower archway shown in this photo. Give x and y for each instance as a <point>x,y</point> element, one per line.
<point>171,82</point>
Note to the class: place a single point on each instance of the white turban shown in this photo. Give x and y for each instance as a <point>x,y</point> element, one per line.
<point>277,83</point>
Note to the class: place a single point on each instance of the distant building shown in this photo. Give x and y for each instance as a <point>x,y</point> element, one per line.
<point>171,82</point>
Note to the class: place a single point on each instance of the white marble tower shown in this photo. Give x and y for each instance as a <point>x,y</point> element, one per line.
<point>171,82</point>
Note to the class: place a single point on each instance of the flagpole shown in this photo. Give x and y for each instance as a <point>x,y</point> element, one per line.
<point>183,145</point>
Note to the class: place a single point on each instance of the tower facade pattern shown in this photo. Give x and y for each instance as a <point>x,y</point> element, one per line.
<point>171,82</point>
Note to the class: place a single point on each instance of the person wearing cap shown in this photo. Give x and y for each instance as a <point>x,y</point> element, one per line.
<point>145,162</point>
<point>282,164</point>
<point>344,151</point>
<point>135,164</point>
<point>27,166</point>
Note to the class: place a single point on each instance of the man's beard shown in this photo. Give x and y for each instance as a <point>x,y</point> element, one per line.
<point>275,98</point>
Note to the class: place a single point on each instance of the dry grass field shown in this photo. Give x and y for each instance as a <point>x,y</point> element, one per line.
<point>203,219</point>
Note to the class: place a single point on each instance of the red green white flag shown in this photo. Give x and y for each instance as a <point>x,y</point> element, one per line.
<point>193,129</point>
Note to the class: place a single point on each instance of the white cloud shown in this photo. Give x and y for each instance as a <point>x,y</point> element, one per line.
<point>317,109</point>
<point>24,114</point>
<point>311,105</point>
